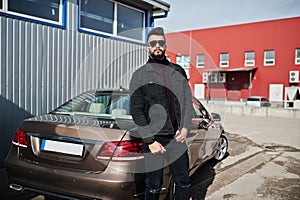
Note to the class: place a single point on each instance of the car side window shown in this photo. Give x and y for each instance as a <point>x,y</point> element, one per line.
<point>197,112</point>
<point>121,102</point>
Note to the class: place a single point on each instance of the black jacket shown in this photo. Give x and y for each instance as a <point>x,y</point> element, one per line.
<point>149,102</point>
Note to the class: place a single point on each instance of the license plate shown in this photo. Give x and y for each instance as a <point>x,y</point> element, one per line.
<point>62,147</point>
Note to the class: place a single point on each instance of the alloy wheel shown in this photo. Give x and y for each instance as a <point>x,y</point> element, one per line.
<point>222,148</point>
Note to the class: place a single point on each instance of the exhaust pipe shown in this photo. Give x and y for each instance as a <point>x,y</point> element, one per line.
<point>16,187</point>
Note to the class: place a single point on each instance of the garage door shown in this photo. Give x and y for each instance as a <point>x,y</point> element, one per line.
<point>234,92</point>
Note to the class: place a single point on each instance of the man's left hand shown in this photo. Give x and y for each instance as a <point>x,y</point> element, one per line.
<point>181,135</point>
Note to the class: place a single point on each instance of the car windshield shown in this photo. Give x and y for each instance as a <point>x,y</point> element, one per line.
<point>98,104</point>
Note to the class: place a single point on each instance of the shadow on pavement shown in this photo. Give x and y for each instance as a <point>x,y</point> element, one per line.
<point>202,179</point>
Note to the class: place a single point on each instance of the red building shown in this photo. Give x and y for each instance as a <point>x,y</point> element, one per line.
<point>235,62</point>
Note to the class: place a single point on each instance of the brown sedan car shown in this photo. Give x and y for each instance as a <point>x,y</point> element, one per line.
<point>88,148</point>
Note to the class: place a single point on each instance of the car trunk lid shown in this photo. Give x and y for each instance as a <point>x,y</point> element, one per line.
<point>68,141</point>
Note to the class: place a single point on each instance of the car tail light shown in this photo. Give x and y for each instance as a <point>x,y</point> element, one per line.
<point>121,151</point>
<point>20,138</point>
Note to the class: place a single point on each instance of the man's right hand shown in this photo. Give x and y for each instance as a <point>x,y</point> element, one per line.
<point>156,148</point>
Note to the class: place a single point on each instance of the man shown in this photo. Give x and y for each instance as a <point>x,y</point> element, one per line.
<point>161,107</point>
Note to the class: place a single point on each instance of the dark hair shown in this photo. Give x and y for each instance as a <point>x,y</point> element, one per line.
<point>156,31</point>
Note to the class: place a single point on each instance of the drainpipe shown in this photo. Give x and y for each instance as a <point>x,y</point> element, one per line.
<point>158,17</point>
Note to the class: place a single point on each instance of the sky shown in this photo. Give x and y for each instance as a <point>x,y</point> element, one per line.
<point>199,14</point>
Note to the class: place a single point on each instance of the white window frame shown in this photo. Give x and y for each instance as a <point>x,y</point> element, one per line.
<point>182,62</point>
<point>297,58</point>
<point>187,72</point>
<point>200,64</point>
<point>60,22</point>
<point>115,32</point>
<point>266,60</point>
<point>224,63</point>
<point>249,62</point>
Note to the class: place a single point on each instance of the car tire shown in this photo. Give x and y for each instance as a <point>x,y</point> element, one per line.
<point>222,148</point>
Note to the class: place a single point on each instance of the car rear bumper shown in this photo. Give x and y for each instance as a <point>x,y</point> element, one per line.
<point>64,183</point>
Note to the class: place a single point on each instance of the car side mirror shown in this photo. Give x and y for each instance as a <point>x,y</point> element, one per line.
<point>216,116</point>
<point>204,124</point>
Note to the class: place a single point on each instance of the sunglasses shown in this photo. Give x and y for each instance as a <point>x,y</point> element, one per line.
<point>159,42</point>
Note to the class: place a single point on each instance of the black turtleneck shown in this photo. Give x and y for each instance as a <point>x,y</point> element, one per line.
<point>164,61</point>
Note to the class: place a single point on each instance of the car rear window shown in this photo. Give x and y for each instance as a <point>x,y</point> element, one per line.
<point>106,104</point>
<point>252,99</point>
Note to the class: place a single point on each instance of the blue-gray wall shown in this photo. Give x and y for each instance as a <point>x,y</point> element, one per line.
<point>43,66</point>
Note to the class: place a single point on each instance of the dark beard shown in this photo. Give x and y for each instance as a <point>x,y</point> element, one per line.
<point>158,57</point>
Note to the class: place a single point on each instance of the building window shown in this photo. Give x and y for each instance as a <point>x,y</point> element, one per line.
<point>130,23</point>
<point>200,61</point>
<point>224,59</point>
<point>269,58</point>
<point>97,15</point>
<point>112,19</point>
<point>297,56</point>
<point>183,61</point>
<point>49,11</point>
<point>249,58</point>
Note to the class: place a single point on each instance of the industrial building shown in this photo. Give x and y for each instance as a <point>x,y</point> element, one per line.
<point>238,61</point>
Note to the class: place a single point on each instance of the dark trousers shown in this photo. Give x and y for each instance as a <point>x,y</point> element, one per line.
<point>176,157</point>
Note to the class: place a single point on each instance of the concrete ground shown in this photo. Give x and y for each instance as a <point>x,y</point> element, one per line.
<point>277,179</point>
<point>268,169</point>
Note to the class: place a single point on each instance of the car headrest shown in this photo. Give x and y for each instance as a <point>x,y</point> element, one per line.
<point>96,107</point>
<point>118,112</point>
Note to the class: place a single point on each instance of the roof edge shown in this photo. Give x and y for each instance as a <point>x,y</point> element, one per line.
<point>163,6</point>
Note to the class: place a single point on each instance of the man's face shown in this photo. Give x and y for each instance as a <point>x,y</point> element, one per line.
<point>156,47</point>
